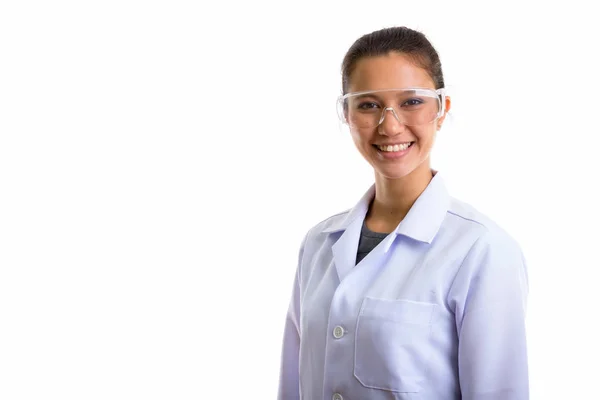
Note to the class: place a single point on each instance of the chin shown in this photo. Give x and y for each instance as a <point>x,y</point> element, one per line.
<point>396,173</point>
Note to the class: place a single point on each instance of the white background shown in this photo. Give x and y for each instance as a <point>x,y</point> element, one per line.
<point>160,163</point>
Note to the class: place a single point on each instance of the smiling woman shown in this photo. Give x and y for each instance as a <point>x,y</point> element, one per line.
<point>391,101</point>
<point>417,108</point>
<point>411,293</point>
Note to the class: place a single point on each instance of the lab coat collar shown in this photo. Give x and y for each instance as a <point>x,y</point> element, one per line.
<point>423,220</point>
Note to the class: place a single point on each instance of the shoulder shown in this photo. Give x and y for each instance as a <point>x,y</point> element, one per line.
<point>481,244</point>
<point>332,221</point>
<point>470,215</point>
<point>324,226</point>
<point>464,216</point>
<point>491,253</point>
<point>492,259</point>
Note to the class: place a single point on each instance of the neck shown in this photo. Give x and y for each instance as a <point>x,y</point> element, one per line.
<point>394,198</point>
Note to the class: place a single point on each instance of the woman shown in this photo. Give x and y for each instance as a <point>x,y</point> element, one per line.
<point>411,294</point>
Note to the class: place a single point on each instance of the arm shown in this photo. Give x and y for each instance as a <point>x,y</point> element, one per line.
<point>289,387</point>
<point>489,296</point>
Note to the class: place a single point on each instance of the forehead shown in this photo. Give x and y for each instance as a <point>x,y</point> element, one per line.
<point>391,71</point>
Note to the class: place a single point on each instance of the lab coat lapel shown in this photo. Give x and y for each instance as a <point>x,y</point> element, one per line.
<point>345,231</point>
<point>345,249</point>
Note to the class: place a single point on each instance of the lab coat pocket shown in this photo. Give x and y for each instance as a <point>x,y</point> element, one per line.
<point>392,344</point>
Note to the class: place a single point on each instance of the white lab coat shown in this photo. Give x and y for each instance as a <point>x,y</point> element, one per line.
<point>436,311</point>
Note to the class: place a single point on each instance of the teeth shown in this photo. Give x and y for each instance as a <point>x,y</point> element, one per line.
<point>397,147</point>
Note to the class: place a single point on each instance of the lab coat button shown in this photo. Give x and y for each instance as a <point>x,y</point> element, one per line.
<point>337,396</point>
<point>338,332</point>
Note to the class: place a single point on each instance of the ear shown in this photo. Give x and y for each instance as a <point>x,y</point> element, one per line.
<point>446,110</point>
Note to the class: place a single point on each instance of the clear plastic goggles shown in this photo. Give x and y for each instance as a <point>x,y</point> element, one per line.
<point>411,106</point>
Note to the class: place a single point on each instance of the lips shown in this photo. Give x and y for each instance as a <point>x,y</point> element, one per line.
<point>393,148</point>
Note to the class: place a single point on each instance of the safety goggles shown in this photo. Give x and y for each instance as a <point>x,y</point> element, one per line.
<point>410,106</point>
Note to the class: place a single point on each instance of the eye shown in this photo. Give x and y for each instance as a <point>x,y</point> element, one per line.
<point>367,105</point>
<point>412,102</point>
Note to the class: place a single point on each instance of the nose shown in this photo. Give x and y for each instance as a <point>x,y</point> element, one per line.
<point>389,126</point>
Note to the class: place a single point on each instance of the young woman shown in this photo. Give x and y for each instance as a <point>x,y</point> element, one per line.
<point>411,294</point>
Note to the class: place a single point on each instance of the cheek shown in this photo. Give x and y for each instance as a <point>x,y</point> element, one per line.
<point>361,136</point>
<point>425,135</point>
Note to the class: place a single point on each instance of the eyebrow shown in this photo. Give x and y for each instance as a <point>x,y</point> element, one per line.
<point>407,92</point>
<point>362,96</point>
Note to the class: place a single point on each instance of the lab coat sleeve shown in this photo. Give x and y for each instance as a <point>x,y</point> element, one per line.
<point>289,387</point>
<point>489,296</point>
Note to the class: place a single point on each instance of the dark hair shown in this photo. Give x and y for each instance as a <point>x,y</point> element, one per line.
<point>397,39</point>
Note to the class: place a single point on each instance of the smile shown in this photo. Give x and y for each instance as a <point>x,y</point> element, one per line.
<point>393,148</point>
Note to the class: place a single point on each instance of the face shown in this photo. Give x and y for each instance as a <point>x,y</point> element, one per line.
<point>393,71</point>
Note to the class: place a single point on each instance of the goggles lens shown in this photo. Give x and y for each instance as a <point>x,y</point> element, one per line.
<point>409,106</point>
